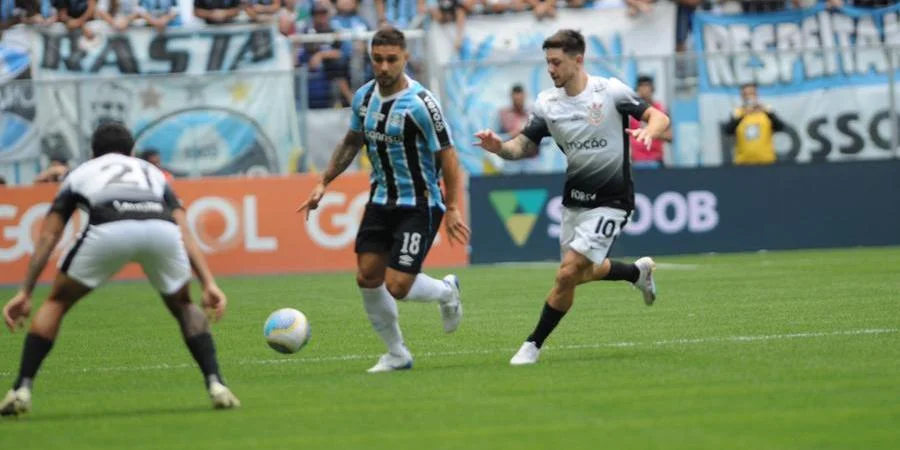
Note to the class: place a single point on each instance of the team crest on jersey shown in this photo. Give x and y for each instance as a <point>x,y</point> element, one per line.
<point>595,113</point>
<point>396,120</point>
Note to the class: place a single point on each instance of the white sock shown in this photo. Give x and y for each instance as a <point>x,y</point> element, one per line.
<point>382,311</point>
<point>427,289</point>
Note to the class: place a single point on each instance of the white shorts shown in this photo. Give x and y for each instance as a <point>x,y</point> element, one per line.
<point>591,232</point>
<point>102,250</point>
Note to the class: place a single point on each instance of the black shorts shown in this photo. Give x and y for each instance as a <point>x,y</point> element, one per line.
<point>405,232</point>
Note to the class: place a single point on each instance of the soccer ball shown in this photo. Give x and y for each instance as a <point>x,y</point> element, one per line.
<point>287,330</point>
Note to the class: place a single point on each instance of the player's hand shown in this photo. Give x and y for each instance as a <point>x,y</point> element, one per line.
<point>214,302</point>
<point>457,230</point>
<point>489,141</point>
<point>313,201</point>
<point>641,135</point>
<point>16,311</point>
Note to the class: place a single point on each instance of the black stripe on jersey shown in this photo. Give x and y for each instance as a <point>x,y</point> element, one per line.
<point>383,155</point>
<point>364,105</point>
<point>438,124</point>
<point>411,148</point>
<point>626,164</point>
<point>64,268</point>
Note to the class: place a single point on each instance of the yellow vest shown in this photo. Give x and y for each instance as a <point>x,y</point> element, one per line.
<point>754,138</point>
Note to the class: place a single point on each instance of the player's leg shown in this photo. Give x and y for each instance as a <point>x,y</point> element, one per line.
<point>638,273</point>
<point>163,258</point>
<point>558,302</point>
<point>373,244</point>
<point>41,336</point>
<point>413,237</point>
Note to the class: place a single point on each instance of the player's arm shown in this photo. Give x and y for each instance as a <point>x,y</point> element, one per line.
<point>629,103</point>
<point>524,145</point>
<point>657,122</point>
<point>343,155</point>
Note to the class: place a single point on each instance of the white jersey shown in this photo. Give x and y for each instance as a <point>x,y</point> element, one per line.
<point>116,187</point>
<point>590,129</point>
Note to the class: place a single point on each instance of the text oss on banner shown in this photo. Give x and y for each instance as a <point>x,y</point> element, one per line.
<point>517,218</point>
<point>500,51</point>
<point>244,226</point>
<point>825,72</point>
<point>212,101</point>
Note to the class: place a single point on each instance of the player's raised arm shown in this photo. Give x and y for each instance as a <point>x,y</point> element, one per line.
<point>628,102</point>
<point>524,145</point>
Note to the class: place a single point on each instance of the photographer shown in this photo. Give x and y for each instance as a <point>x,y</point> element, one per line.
<point>753,126</point>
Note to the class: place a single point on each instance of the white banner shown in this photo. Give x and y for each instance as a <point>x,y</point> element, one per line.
<point>500,51</point>
<point>825,73</point>
<point>213,101</point>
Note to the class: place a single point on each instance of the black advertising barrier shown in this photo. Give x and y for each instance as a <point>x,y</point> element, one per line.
<point>726,209</point>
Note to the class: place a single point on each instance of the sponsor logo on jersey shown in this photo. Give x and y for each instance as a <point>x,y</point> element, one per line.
<point>435,112</point>
<point>582,196</point>
<point>396,120</point>
<point>138,207</point>
<point>595,114</point>
<point>381,137</point>
<point>519,211</point>
<point>587,144</point>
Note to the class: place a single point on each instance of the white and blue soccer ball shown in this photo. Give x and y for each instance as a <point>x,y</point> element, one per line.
<point>287,330</point>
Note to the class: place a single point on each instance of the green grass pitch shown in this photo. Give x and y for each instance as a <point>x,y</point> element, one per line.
<point>781,350</point>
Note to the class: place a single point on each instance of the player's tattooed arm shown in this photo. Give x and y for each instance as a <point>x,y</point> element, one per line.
<point>50,234</point>
<point>518,147</point>
<point>343,155</point>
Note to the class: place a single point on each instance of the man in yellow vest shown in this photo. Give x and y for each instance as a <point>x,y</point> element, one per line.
<point>753,125</point>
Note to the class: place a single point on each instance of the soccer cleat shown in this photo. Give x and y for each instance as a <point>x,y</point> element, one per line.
<point>390,362</point>
<point>528,354</point>
<point>645,280</point>
<point>16,402</point>
<point>221,396</point>
<point>452,310</point>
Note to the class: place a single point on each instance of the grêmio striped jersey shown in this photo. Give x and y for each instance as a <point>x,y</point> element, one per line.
<point>403,133</point>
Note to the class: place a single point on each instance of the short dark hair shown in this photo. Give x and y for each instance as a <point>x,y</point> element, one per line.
<point>518,89</point>
<point>749,84</point>
<point>571,42</point>
<point>112,137</point>
<point>148,153</point>
<point>645,79</point>
<point>389,35</point>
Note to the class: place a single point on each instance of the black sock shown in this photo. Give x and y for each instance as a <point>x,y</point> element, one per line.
<point>550,317</point>
<point>33,354</point>
<point>204,352</point>
<point>622,271</point>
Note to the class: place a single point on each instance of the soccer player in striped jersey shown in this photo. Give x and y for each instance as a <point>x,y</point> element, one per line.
<point>406,138</point>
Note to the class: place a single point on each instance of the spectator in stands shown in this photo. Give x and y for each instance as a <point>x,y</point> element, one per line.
<point>514,117</point>
<point>399,13</point>
<point>641,155</point>
<point>286,24</point>
<point>117,13</point>
<point>753,125</point>
<point>451,11</point>
<point>502,6</point>
<point>160,14</point>
<point>58,169</point>
<point>263,11</point>
<point>152,156</point>
<point>765,6</point>
<point>348,18</point>
<point>40,13</point>
<point>75,14</point>
<point>326,63</point>
<point>636,7</point>
<point>543,9</point>
<point>217,11</point>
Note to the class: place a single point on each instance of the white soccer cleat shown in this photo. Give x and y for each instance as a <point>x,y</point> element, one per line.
<point>528,354</point>
<point>16,402</point>
<point>390,362</point>
<point>645,281</point>
<point>221,396</point>
<point>452,310</point>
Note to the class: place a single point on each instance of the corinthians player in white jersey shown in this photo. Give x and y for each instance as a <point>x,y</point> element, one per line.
<point>133,216</point>
<point>587,117</point>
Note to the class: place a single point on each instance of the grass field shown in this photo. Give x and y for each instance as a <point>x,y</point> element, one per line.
<point>795,350</point>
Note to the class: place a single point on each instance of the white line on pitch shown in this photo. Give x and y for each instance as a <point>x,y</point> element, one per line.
<point>669,342</point>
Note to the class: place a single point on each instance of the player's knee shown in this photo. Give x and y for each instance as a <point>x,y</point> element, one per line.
<point>568,275</point>
<point>368,280</point>
<point>399,288</point>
